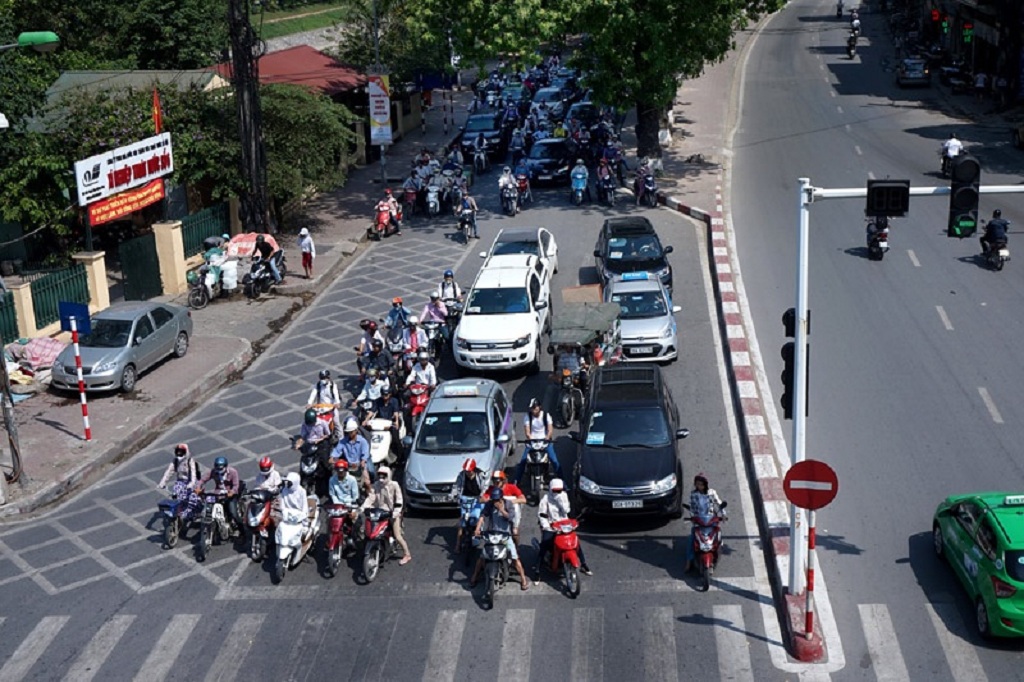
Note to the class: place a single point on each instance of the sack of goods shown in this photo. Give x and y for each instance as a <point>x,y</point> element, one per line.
<point>229,275</point>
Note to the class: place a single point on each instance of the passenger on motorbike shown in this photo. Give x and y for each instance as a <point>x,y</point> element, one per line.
<point>496,517</point>
<point>387,407</point>
<point>344,489</point>
<point>538,425</point>
<point>387,494</point>
<point>554,507</point>
<point>436,311</point>
<point>264,250</point>
<point>580,171</point>
<point>704,501</point>
<point>185,471</point>
<point>227,483</point>
<point>398,313</point>
<point>325,392</point>
<point>995,232</point>
<point>513,495</point>
<point>355,450</point>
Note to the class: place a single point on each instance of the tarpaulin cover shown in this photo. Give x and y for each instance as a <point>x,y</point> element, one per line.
<point>241,245</point>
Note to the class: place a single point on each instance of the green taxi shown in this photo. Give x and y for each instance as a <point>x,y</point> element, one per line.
<point>981,535</point>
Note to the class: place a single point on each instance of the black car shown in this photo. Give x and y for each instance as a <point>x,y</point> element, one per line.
<point>549,160</point>
<point>628,459</point>
<point>630,244</point>
<point>492,125</point>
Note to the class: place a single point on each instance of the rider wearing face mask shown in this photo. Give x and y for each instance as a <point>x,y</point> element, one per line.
<point>185,472</point>
<point>704,501</point>
<point>554,507</point>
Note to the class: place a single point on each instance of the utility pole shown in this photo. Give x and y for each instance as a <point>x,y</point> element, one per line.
<point>379,70</point>
<point>246,49</point>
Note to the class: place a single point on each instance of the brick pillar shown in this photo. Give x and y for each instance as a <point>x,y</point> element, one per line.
<point>96,272</point>
<point>23,309</point>
<point>170,252</point>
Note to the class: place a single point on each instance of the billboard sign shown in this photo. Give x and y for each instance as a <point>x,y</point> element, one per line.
<point>124,168</point>
<point>380,109</point>
<point>126,203</point>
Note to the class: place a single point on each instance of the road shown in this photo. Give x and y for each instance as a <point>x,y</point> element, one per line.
<point>88,591</point>
<point>914,389</point>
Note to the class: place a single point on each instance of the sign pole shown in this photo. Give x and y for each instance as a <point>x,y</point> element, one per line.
<point>809,607</point>
<point>81,381</point>
<point>796,531</point>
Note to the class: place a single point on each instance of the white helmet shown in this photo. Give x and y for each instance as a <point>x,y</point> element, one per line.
<point>351,425</point>
<point>413,320</point>
<point>556,485</point>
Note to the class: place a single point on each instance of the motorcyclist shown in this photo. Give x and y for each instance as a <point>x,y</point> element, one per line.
<point>314,433</point>
<point>268,478</point>
<point>373,387</point>
<point>851,43</point>
<point>995,232</point>
<point>480,145</point>
<point>496,517</point>
<point>580,171</point>
<point>325,392</point>
<point>227,483</point>
<point>605,179</point>
<point>390,204</point>
<point>344,489</point>
<point>413,337</point>
<point>380,361</point>
<point>517,144</point>
<point>855,26</point>
<point>448,289</point>
<point>365,347</point>
<point>538,425</point>
<point>554,507</point>
<point>387,494</point>
<point>522,169</point>
<point>507,181</point>
<point>185,471</point>
<point>423,372</point>
<point>398,313</point>
<point>469,203</point>
<point>952,147</point>
<point>643,169</point>
<point>293,498</point>
<point>513,495</point>
<point>436,311</point>
<point>264,250</point>
<point>355,450</point>
<point>387,407</point>
<point>468,485</point>
<point>704,501</point>
<point>413,184</point>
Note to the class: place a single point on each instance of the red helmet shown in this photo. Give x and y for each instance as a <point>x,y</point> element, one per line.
<point>341,465</point>
<point>266,464</point>
<point>604,162</point>
<point>469,465</point>
<point>387,191</point>
<point>372,327</point>
<point>499,474</point>
<point>397,299</point>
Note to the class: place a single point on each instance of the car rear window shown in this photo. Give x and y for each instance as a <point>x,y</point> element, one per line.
<point>1015,564</point>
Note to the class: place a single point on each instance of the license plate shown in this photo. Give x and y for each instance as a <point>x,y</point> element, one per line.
<point>490,358</point>
<point>643,349</point>
<point>440,499</point>
<point>627,504</point>
<point>1004,254</point>
<point>544,177</point>
<point>883,245</point>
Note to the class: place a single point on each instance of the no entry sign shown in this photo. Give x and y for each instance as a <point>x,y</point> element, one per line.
<point>810,484</point>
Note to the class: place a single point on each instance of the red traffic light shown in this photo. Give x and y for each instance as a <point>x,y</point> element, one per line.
<point>936,15</point>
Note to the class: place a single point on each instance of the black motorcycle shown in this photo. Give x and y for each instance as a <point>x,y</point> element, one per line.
<point>878,237</point>
<point>454,315</point>
<point>314,468</point>
<point>259,279</point>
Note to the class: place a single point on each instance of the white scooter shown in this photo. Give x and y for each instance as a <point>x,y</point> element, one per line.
<point>380,441</point>
<point>433,201</point>
<point>295,536</point>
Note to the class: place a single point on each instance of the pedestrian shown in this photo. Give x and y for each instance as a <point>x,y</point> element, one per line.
<point>1000,85</point>
<point>308,249</point>
<point>980,84</point>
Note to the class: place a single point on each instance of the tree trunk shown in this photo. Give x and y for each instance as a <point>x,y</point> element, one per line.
<point>648,115</point>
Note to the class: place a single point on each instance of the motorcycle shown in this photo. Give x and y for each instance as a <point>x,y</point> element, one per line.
<point>454,315</point>
<point>175,522</point>
<point>646,188</point>
<point>510,200</point>
<point>380,441</point>
<point>707,542</point>
<point>570,397</point>
<point>341,538</point>
<point>380,543</point>
<point>435,341</point>
<point>433,201</point>
<point>851,49</point>
<point>396,346</point>
<point>296,535</point>
<point>564,556</point>
<point>946,164</point>
<point>214,525</point>
<point>379,229</point>
<point>878,237</point>
<point>313,473</point>
<point>260,521</point>
<point>536,467</point>
<point>466,223</point>
<point>481,164</point>
<point>259,279</point>
<point>839,11</point>
<point>522,189</point>
<point>419,396</point>
<point>409,202</point>
<point>996,255</point>
<point>470,509</point>
<point>208,283</point>
<point>579,187</point>
<point>497,562</point>
<point>606,187</point>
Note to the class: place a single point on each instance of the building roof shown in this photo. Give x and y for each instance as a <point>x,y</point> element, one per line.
<point>93,81</point>
<point>303,65</point>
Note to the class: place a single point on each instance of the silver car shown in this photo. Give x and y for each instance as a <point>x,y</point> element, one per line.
<point>465,419</point>
<point>647,317</point>
<point>126,339</point>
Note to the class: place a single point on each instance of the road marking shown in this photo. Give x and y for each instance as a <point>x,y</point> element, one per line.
<point>913,258</point>
<point>165,652</point>
<point>839,109</point>
<point>883,647</point>
<point>99,647</point>
<point>833,93</point>
<point>660,660</point>
<point>732,643</point>
<point>991,405</point>
<point>587,645</point>
<point>871,175</point>
<point>234,647</point>
<point>447,639</point>
<point>371,658</point>
<point>857,149</point>
<point>961,653</point>
<point>517,643</point>
<point>29,651</point>
<point>303,654</point>
<point>944,317</point>
<point>848,127</point>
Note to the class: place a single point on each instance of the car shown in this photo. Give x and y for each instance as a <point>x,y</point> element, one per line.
<point>465,418</point>
<point>536,241</point>
<point>627,459</point>
<point>981,536</point>
<point>586,113</point>
<point>630,244</point>
<point>913,72</point>
<point>492,125</point>
<point>646,317</point>
<point>124,341</point>
<point>549,161</point>
<point>515,93</point>
<point>554,98</point>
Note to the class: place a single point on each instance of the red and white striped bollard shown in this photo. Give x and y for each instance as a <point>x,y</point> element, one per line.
<point>81,381</point>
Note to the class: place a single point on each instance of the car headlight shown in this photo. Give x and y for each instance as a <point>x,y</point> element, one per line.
<point>461,343</point>
<point>414,484</point>
<point>588,486</point>
<point>667,333</point>
<point>522,341</point>
<point>664,485</point>
<point>105,367</point>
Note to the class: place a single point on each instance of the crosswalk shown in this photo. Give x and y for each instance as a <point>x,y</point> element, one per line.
<point>579,643</point>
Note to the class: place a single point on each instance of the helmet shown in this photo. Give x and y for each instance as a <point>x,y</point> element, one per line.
<point>364,324</point>
<point>423,355</point>
<point>341,465</point>
<point>220,464</point>
<point>260,239</point>
<point>377,343</point>
<point>325,374</point>
<point>499,474</point>
<point>309,417</point>
<point>556,485</point>
<point>266,464</point>
<point>579,162</point>
<point>397,299</point>
<point>496,494</point>
<point>181,450</point>
<point>534,403</point>
<point>351,425</point>
<point>434,296</point>
<point>700,477</point>
<point>372,327</point>
<point>506,169</point>
<point>413,320</point>
<point>384,472</point>
<point>449,273</point>
<point>373,373</point>
<point>469,465</point>
<point>386,389</point>
<point>387,191</point>
<point>604,162</point>
<point>997,213</point>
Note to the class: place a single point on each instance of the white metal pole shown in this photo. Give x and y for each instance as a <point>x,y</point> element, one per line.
<point>797,530</point>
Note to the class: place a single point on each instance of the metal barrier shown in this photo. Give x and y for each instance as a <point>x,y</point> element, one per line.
<point>70,284</point>
<point>8,318</point>
<point>210,222</point>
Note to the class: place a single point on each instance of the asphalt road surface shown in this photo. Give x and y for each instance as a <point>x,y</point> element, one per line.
<point>915,361</point>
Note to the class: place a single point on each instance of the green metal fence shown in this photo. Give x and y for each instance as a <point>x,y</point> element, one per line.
<point>8,318</point>
<point>210,222</point>
<point>71,284</point>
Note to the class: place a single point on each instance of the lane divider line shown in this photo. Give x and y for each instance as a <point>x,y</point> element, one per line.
<point>944,317</point>
<point>991,405</point>
<point>913,258</point>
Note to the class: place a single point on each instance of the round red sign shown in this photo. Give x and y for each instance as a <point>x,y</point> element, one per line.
<point>810,484</point>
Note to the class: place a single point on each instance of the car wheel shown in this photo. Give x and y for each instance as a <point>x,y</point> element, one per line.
<point>937,542</point>
<point>981,619</point>
<point>181,345</point>
<point>128,377</point>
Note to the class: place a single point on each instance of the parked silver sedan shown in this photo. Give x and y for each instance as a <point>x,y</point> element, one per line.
<point>647,317</point>
<point>126,339</point>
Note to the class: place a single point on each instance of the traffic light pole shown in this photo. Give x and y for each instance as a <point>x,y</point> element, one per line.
<point>808,194</point>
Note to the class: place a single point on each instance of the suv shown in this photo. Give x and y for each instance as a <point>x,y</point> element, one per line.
<point>646,317</point>
<point>492,125</point>
<point>630,244</point>
<point>628,459</point>
<point>530,240</point>
<point>507,311</point>
<point>464,418</point>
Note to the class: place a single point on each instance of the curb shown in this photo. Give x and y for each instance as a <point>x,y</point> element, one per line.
<point>759,445</point>
<point>137,437</point>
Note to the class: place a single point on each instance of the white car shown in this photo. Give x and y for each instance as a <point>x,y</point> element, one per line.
<point>537,241</point>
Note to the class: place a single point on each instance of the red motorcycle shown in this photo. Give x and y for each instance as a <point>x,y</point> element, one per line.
<point>380,543</point>
<point>707,541</point>
<point>564,557</point>
<point>340,537</point>
<point>523,185</point>
<point>260,521</point>
<point>419,396</point>
<point>381,226</point>
<point>409,202</point>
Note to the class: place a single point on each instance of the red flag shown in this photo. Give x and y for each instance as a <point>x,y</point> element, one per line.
<point>157,116</point>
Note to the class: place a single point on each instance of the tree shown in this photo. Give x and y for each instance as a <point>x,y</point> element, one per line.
<point>636,51</point>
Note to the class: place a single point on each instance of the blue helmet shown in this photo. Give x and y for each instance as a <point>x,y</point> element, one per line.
<point>449,273</point>
<point>220,465</point>
<point>496,494</point>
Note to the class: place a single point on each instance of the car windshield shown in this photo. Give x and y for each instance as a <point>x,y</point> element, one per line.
<point>450,433</point>
<point>108,334</point>
<point>552,95</point>
<point>507,248</point>
<point>547,151</point>
<point>479,125</point>
<point>1015,564</point>
<point>498,301</point>
<point>628,428</point>
<point>644,247</point>
<point>637,305</point>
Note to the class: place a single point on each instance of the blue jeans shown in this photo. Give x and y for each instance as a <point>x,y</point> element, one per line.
<point>273,269</point>
<point>521,467</point>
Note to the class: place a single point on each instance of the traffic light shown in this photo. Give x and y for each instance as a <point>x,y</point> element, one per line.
<point>964,194</point>
<point>968,32</point>
<point>788,376</point>
<point>888,198</point>
<point>936,15</point>
<point>945,23</point>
